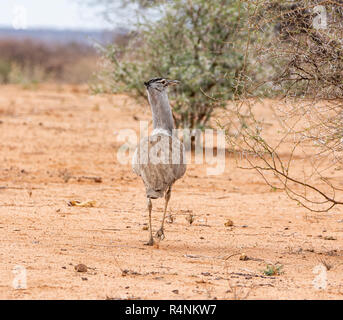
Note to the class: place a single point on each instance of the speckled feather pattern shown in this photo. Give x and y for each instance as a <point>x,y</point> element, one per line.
<point>159,161</point>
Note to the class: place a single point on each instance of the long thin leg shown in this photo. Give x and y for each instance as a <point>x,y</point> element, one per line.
<point>160,233</point>
<point>151,240</point>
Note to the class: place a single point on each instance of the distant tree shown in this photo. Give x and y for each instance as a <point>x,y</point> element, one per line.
<point>197,42</point>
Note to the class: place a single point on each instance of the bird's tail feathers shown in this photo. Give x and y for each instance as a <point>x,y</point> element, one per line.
<point>154,194</point>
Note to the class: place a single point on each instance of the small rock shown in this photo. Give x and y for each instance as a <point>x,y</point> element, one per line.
<point>228,223</point>
<point>243,257</point>
<point>176,291</point>
<point>81,268</point>
<point>190,218</point>
<point>170,219</point>
<point>332,253</point>
<point>84,279</point>
<point>330,238</point>
<point>129,272</point>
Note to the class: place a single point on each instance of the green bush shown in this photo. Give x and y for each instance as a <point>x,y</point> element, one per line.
<point>198,42</point>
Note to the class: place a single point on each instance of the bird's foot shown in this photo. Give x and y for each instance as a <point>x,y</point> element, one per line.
<point>160,234</point>
<point>150,242</point>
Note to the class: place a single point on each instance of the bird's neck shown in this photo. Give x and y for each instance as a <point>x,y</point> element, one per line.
<point>161,112</point>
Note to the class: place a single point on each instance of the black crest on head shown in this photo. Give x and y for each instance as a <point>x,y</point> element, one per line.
<point>148,83</point>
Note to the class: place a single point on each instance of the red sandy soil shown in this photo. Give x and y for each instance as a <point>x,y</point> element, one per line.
<point>55,136</point>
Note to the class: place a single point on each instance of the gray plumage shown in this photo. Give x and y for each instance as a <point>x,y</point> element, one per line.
<point>159,158</point>
<point>157,169</point>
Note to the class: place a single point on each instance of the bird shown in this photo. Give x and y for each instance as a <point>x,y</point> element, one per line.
<point>159,158</point>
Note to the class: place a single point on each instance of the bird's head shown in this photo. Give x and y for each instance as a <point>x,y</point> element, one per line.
<point>160,84</point>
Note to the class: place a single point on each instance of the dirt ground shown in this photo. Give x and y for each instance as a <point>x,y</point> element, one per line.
<point>56,139</point>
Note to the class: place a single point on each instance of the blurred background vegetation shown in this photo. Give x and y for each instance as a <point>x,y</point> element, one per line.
<point>27,61</point>
<point>219,50</point>
<point>199,43</point>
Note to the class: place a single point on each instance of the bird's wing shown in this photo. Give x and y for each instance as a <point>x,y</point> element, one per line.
<point>159,161</point>
<point>179,162</point>
<point>135,164</point>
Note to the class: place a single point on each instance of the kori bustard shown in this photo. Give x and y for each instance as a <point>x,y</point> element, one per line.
<point>159,158</point>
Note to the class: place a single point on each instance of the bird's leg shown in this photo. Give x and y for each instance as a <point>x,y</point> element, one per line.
<point>151,240</point>
<point>160,233</point>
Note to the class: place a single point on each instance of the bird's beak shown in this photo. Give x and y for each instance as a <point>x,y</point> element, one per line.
<point>173,82</point>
